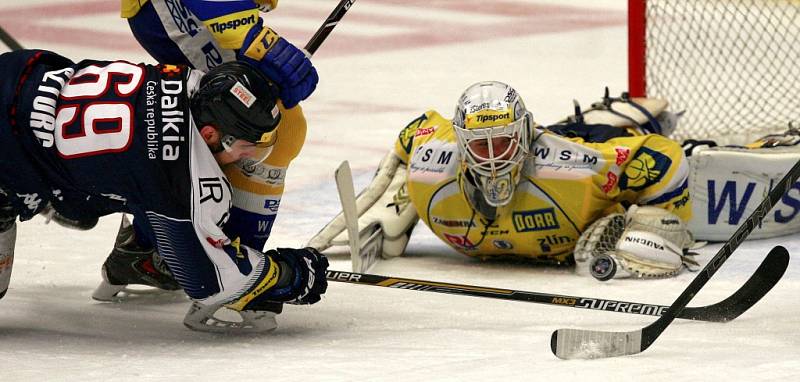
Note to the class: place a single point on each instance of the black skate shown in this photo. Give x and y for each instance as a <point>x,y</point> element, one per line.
<point>83,224</point>
<point>129,263</point>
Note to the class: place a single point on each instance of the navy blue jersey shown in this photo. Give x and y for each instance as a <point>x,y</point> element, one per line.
<point>114,139</point>
<point>98,137</point>
<point>182,32</point>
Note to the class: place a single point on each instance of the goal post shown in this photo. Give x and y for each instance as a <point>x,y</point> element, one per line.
<point>637,27</point>
<point>733,65</point>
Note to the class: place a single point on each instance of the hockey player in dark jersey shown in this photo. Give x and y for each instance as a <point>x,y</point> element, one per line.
<point>99,137</point>
<point>203,34</point>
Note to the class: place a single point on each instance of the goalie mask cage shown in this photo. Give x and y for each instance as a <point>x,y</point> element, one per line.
<point>732,65</point>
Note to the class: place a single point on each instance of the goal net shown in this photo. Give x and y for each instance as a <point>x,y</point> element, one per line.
<point>732,65</point>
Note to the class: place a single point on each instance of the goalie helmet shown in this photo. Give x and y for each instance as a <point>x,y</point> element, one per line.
<point>494,130</point>
<point>238,100</point>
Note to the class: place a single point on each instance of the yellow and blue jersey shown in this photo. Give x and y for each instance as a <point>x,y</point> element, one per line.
<point>198,33</point>
<point>566,185</point>
<point>228,21</point>
<point>258,187</point>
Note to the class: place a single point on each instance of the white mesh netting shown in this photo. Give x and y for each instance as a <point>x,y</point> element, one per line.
<point>731,64</point>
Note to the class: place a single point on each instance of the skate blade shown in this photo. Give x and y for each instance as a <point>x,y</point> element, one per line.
<point>207,319</point>
<point>106,292</point>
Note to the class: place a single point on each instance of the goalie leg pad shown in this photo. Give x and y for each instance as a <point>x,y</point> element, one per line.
<point>727,184</point>
<point>642,115</point>
<point>393,247</point>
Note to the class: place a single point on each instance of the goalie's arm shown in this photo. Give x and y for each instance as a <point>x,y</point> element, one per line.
<point>656,174</point>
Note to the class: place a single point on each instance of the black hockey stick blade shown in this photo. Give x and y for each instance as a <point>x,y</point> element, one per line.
<point>577,343</point>
<point>757,286</point>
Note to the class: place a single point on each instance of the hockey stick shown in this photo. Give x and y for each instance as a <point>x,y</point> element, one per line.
<point>364,251</point>
<point>11,42</point>
<point>348,197</point>
<point>578,343</point>
<point>328,25</point>
<point>765,277</point>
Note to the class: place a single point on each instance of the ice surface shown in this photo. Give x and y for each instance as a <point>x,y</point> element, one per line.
<point>371,85</point>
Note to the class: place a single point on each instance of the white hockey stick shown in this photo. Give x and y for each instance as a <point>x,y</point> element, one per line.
<point>365,245</point>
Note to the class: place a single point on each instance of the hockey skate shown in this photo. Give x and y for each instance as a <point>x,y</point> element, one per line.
<point>220,319</point>
<point>130,264</point>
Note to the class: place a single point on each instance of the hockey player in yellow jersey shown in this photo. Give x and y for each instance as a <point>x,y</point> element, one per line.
<point>206,33</point>
<point>492,182</point>
<point>203,34</point>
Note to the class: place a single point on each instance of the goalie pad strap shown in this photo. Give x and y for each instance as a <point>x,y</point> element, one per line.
<point>623,114</point>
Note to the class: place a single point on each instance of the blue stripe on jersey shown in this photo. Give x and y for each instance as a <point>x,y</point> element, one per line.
<point>670,195</point>
<point>153,37</point>
<point>178,244</point>
<point>252,229</point>
<point>209,9</point>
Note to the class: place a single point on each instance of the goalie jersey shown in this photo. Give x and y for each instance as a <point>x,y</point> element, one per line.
<point>99,137</point>
<point>566,184</point>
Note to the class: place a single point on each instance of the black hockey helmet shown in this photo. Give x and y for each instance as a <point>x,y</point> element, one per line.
<point>237,99</point>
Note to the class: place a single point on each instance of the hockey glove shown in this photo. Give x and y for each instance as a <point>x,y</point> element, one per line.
<point>281,62</point>
<point>301,279</point>
<point>645,242</point>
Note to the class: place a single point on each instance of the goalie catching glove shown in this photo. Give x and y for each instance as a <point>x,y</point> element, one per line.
<point>645,242</point>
